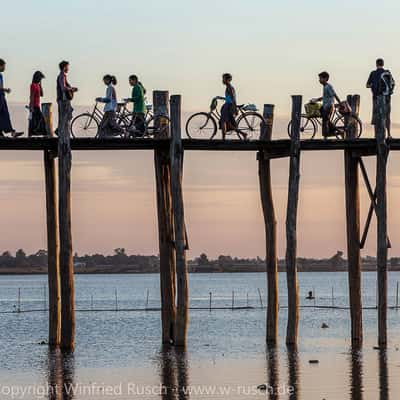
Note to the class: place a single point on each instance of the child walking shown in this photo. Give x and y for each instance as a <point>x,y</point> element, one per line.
<point>328,101</point>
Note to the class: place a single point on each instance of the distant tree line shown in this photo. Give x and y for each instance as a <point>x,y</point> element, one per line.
<point>39,259</point>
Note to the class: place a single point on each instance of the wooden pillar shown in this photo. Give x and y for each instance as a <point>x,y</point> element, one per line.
<point>381,213</point>
<point>53,266</point>
<point>291,225</point>
<point>267,201</point>
<point>47,110</point>
<point>176,154</point>
<point>165,228</point>
<point>352,191</point>
<point>64,201</point>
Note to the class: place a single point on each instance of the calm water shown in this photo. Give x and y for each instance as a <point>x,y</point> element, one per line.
<point>226,348</point>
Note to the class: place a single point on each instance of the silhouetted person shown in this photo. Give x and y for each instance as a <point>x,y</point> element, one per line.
<point>65,92</point>
<point>108,125</point>
<point>139,105</point>
<point>5,120</point>
<point>381,83</point>
<point>37,125</point>
<point>328,102</point>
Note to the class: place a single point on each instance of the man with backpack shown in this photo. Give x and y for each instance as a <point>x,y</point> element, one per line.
<point>381,83</point>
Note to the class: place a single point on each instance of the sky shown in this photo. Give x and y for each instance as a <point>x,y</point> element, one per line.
<point>272,49</point>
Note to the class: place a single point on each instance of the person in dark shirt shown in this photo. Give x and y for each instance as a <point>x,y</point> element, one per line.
<point>375,84</point>
<point>65,91</point>
<point>5,120</point>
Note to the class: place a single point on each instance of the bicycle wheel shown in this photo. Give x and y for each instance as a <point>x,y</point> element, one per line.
<point>158,126</point>
<point>201,126</point>
<point>340,127</point>
<point>84,125</point>
<point>308,128</point>
<point>249,125</point>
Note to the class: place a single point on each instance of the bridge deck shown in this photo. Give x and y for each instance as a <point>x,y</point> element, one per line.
<point>276,147</point>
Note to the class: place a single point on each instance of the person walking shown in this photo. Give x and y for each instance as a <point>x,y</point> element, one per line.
<point>229,108</point>
<point>37,124</point>
<point>139,106</point>
<point>65,92</point>
<point>381,83</point>
<point>5,120</point>
<point>108,125</point>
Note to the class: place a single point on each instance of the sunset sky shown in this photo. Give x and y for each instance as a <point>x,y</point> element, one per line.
<point>273,50</point>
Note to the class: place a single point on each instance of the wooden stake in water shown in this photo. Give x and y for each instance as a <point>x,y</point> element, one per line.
<point>247,299</point>
<point>259,295</point>
<point>44,298</point>
<point>210,300</point>
<point>19,300</point>
<point>91,302</point>
<point>315,296</point>
<point>116,300</point>
<point>147,299</point>
<point>233,299</point>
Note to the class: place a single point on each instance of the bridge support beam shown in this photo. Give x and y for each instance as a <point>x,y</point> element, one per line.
<point>267,202</point>
<point>381,213</point>
<point>291,225</point>
<point>65,235</point>
<point>352,191</point>
<point>53,266</point>
<point>176,154</point>
<point>165,228</point>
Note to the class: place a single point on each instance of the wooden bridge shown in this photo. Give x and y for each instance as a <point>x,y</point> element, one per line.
<point>173,238</point>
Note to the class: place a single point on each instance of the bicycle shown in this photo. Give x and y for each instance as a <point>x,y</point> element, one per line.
<point>310,122</point>
<point>87,124</point>
<point>203,125</point>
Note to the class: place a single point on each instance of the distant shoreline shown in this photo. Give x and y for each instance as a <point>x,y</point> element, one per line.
<point>193,269</point>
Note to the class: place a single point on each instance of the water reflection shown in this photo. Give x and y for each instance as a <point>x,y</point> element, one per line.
<point>174,373</point>
<point>60,375</point>
<point>356,386</point>
<point>293,372</point>
<point>383,375</point>
<point>273,373</point>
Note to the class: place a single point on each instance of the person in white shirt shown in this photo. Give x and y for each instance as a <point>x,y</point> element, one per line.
<point>108,125</point>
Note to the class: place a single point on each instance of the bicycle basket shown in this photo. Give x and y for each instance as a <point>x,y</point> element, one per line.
<point>313,110</point>
<point>250,107</point>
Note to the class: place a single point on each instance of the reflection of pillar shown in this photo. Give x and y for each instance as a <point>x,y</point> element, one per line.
<point>60,375</point>
<point>54,374</point>
<point>273,373</point>
<point>293,373</point>
<point>356,375</point>
<point>182,373</point>
<point>168,374</point>
<point>383,376</point>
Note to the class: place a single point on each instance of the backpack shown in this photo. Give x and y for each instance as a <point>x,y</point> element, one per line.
<point>386,83</point>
